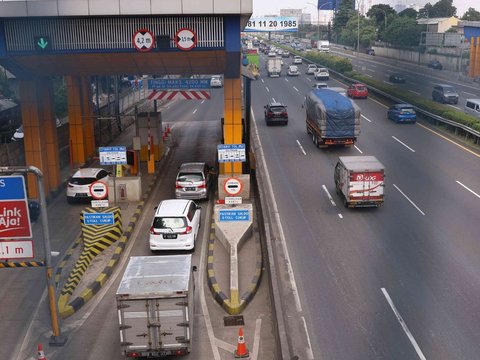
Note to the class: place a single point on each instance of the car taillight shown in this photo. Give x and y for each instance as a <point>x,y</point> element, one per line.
<point>284,113</point>
<point>177,185</point>
<point>202,185</point>
<point>270,114</point>
<point>70,185</point>
<point>188,230</point>
<point>152,231</point>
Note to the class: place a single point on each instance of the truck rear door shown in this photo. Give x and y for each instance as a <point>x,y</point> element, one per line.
<point>155,324</point>
<point>366,186</point>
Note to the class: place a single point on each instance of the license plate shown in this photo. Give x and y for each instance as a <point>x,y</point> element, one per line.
<point>169,236</point>
<point>189,189</point>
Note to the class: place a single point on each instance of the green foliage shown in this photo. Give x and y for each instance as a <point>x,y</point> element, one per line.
<point>381,14</point>
<point>345,11</point>
<point>403,31</point>
<point>471,15</point>
<point>409,12</point>
<point>349,34</point>
<point>441,9</point>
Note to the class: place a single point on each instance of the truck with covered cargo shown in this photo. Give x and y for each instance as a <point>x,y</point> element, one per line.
<point>360,181</point>
<point>155,306</point>
<point>274,67</point>
<point>331,118</point>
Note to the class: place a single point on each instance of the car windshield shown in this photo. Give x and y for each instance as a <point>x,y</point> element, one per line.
<point>82,180</point>
<point>448,90</point>
<point>169,222</point>
<point>322,70</point>
<point>190,177</point>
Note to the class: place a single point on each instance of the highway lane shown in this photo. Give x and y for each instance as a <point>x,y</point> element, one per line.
<point>425,263</point>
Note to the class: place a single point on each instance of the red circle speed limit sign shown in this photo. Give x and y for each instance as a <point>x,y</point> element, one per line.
<point>185,39</point>
<point>98,190</point>
<point>233,186</point>
<point>143,40</point>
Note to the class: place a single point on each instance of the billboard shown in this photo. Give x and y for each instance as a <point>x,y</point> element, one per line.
<point>327,4</point>
<point>265,24</point>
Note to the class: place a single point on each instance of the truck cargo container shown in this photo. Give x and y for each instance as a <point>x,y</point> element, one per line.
<point>155,306</point>
<point>359,181</point>
<point>331,118</point>
<point>274,67</point>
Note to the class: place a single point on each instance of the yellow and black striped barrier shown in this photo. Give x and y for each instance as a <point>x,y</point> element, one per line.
<point>96,238</point>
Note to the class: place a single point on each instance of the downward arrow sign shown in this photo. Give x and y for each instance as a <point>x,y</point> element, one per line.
<point>42,43</point>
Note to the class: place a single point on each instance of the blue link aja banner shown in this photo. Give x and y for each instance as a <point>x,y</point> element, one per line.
<point>265,24</point>
<point>328,4</point>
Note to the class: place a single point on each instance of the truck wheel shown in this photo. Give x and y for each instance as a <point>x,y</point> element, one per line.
<point>314,139</point>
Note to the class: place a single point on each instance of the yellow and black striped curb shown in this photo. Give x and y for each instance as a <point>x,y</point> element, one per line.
<point>96,285</point>
<point>217,293</point>
<point>13,264</point>
<point>96,238</point>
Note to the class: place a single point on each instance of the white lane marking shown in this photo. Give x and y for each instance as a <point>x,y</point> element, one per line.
<point>387,82</point>
<point>273,99</point>
<point>406,197</point>
<point>309,79</point>
<point>403,325</point>
<point>416,93</point>
<point>378,102</point>
<point>301,148</point>
<point>356,147</point>
<point>469,93</point>
<point>295,89</point>
<point>371,70</point>
<point>329,196</point>
<point>408,147</point>
<point>262,81</point>
<point>374,66</point>
<point>202,101</point>
<point>368,75</point>
<point>224,345</point>
<point>256,339</point>
<point>473,192</point>
<point>340,216</point>
<point>286,79</point>
<point>268,90</point>
<point>194,111</point>
<point>288,262</point>
<point>309,350</point>
<point>455,107</point>
<point>366,118</point>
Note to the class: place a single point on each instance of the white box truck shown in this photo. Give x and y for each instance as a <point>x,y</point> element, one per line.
<point>323,46</point>
<point>359,181</point>
<point>274,67</point>
<point>155,306</point>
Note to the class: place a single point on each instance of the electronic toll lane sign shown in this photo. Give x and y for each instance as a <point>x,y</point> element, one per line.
<point>14,216</point>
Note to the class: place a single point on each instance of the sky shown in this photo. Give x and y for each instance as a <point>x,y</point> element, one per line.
<point>269,7</point>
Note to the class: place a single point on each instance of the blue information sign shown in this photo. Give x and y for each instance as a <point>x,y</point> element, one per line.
<point>98,218</point>
<point>112,155</point>
<point>231,153</point>
<point>12,188</point>
<point>234,215</point>
<point>178,84</point>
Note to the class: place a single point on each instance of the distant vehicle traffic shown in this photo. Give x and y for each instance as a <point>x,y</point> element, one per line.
<point>322,74</point>
<point>175,225</point>
<point>311,68</point>
<point>78,186</point>
<point>274,67</point>
<point>292,70</point>
<point>331,118</point>
<point>276,113</point>
<point>397,78</point>
<point>323,46</point>
<point>359,181</point>
<point>357,91</point>
<point>319,85</point>
<point>216,81</point>
<point>370,52</point>
<point>297,59</point>
<point>401,113</point>
<point>435,64</point>
<point>445,94</point>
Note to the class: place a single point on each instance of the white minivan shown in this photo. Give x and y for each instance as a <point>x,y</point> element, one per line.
<point>472,107</point>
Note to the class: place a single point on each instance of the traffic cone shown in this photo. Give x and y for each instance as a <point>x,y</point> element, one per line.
<point>242,351</point>
<point>40,354</point>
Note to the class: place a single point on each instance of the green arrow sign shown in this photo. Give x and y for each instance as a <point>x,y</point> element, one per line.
<point>43,43</point>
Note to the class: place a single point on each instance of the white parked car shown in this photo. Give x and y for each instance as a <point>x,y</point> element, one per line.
<point>297,59</point>
<point>311,69</point>
<point>175,225</point>
<point>292,70</point>
<point>78,187</point>
<point>216,81</point>
<point>322,74</point>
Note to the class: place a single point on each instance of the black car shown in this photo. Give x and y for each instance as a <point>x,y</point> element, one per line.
<point>370,52</point>
<point>276,113</point>
<point>435,64</point>
<point>397,78</point>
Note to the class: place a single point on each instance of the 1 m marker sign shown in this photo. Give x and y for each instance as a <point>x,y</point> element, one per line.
<point>14,216</point>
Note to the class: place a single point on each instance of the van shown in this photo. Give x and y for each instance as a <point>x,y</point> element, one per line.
<point>472,107</point>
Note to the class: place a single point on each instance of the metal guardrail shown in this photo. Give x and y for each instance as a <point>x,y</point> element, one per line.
<point>424,113</point>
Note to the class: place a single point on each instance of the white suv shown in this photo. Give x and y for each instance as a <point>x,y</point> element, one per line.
<point>175,225</point>
<point>297,59</point>
<point>311,69</point>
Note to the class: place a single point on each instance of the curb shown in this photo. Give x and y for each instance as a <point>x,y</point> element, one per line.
<point>215,289</point>
<point>66,310</point>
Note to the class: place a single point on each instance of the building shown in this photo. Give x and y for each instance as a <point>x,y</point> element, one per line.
<point>438,25</point>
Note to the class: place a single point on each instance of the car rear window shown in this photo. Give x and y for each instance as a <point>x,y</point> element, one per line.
<point>169,222</point>
<point>361,88</point>
<point>190,176</point>
<point>407,111</point>
<point>277,109</point>
<point>82,180</point>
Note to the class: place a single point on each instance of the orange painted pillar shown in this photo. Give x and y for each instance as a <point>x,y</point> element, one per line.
<point>39,132</point>
<point>78,149</point>
<point>87,111</point>
<point>232,125</point>
<point>476,71</point>
<point>471,67</point>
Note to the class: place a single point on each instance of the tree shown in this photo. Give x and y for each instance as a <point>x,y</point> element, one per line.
<point>403,31</point>
<point>471,15</point>
<point>382,15</point>
<point>442,8</point>
<point>345,11</point>
<point>409,12</point>
<point>350,35</point>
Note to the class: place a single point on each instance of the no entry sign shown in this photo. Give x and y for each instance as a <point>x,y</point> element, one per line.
<point>233,186</point>
<point>185,39</point>
<point>98,190</point>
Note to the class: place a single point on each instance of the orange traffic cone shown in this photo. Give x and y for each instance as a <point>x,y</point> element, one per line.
<point>242,351</point>
<point>40,354</point>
